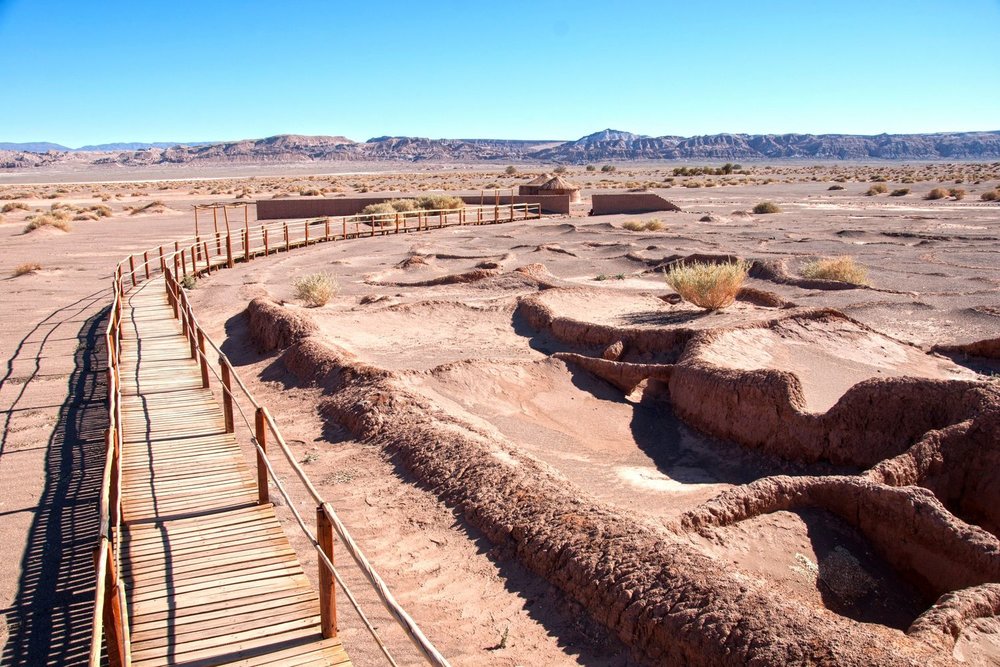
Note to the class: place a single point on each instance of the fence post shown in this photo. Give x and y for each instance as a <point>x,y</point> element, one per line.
<point>267,246</point>
<point>202,359</point>
<point>327,594</point>
<point>326,229</point>
<point>208,262</point>
<point>192,333</point>
<point>194,261</point>
<point>227,394</point>
<point>305,225</point>
<point>287,246</point>
<point>229,250</point>
<point>344,221</point>
<point>145,262</point>
<point>246,240</point>
<point>163,263</point>
<point>131,268</point>
<point>260,426</point>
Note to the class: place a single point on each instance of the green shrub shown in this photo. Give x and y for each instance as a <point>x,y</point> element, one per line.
<point>380,214</point>
<point>706,285</point>
<point>900,192</point>
<point>842,269</point>
<point>766,207</point>
<point>315,289</point>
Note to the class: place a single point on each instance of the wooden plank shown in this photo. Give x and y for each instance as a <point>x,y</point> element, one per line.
<point>212,578</point>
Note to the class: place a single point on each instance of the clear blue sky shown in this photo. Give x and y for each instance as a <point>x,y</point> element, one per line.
<point>93,72</point>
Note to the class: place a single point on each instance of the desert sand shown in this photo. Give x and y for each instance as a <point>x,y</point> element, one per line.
<point>567,361</point>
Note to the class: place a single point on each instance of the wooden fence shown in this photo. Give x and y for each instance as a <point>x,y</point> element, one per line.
<point>200,255</point>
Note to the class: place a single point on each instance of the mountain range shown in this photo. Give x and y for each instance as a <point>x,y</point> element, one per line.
<point>603,146</point>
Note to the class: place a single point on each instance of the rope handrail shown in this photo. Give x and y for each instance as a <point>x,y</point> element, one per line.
<point>110,617</point>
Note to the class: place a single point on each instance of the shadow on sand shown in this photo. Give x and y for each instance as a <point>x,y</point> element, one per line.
<point>50,619</point>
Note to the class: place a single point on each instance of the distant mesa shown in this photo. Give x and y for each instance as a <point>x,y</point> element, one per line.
<point>605,146</point>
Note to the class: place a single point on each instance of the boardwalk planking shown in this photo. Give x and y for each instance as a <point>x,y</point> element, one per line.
<point>212,579</point>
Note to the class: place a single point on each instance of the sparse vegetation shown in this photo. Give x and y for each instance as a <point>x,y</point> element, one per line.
<point>900,192</point>
<point>842,269</point>
<point>511,170</point>
<point>608,168</point>
<point>148,208</point>
<point>936,193</point>
<point>188,282</point>
<point>957,193</point>
<point>992,195</point>
<point>14,206</point>
<point>315,289</point>
<point>835,187</point>
<point>26,268</point>
<point>877,189</point>
<point>591,167</point>
<point>438,202</point>
<point>58,219</point>
<point>766,207</point>
<point>379,214</point>
<point>652,225</point>
<point>707,285</point>
<point>561,169</point>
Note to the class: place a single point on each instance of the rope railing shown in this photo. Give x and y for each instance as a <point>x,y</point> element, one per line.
<point>194,256</point>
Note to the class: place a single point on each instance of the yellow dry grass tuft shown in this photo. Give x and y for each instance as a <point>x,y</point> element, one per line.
<point>58,219</point>
<point>654,225</point>
<point>26,268</point>
<point>316,289</point>
<point>707,285</point>
<point>842,269</point>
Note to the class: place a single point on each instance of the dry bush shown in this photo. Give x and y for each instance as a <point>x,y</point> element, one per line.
<point>148,208</point>
<point>380,214</point>
<point>766,207</point>
<point>842,269</point>
<point>936,193</point>
<point>100,210</point>
<point>706,285</point>
<point>439,202</point>
<point>315,289</point>
<point>957,193</point>
<point>26,268</point>
<point>900,192</point>
<point>56,219</point>
<point>877,189</point>
<point>14,206</point>
<point>311,192</point>
<point>836,187</point>
<point>653,225</point>
<point>992,195</point>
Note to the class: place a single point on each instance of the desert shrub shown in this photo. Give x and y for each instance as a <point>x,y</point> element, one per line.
<point>148,208</point>
<point>26,268</point>
<point>591,167</point>
<point>561,169</point>
<point>311,192</point>
<point>836,187</point>
<point>608,168</point>
<point>100,210</point>
<point>403,205</point>
<point>315,289</point>
<point>54,219</point>
<point>14,206</point>
<point>651,225</point>
<point>188,282</point>
<point>900,192</point>
<point>706,285</point>
<point>766,207</point>
<point>842,269</point>
<point>438,202</point>
<point>992,195</point>
<point>936,193</point>
<point>81,217</point>
<point>877,189</point>
<point>511,170</point>
<point>382,213</point>
<point>957,193</point>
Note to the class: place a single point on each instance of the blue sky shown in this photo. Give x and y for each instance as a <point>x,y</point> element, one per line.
<point>94,72</point>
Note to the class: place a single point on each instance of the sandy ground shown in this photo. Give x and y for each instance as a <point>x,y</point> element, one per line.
<point>932,269</point>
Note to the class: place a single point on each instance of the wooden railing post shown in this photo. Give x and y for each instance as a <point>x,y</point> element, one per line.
<point>326,229</point>
<point>117,649</point>
<point>145,262</point>
<point>327,594</point>
<point>288,246</point>
<point>227,394</point>
<point>131,268</point>
<point>306,227</point>
<point>163,262</point>
<point>208,262</point>
<point>229,250</point>
<point>202,359</point>
<point>192,331</point>
<point>246,240</point>
<point>260,426</point>
<point>267,246</point>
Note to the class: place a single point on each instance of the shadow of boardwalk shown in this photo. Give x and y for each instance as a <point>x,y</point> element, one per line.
<point>50,620</point>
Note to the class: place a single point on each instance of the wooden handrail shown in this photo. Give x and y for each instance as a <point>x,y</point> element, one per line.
<point>110,618</point>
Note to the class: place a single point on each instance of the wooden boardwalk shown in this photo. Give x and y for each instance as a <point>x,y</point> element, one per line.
<point>211,577</point>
